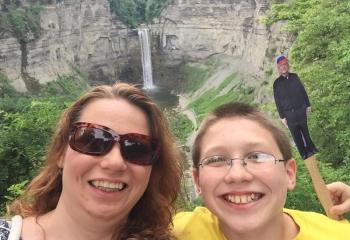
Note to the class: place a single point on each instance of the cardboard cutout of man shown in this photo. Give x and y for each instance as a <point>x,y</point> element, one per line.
<point>293,106</point>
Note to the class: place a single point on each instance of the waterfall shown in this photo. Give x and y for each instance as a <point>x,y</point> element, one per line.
<point>146,58</point>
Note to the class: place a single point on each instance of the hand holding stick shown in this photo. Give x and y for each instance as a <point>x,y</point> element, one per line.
<point>340,193</point>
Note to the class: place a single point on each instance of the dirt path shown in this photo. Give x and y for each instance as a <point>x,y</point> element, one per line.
<point>227,67</point>
<point>183,103</point>
<point>224,71</point>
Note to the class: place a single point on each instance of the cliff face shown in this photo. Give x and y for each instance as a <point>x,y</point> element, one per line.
<point>84,34</point>
<point>200,28</point>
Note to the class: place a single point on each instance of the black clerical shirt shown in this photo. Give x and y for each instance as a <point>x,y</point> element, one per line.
<point>289,94</point>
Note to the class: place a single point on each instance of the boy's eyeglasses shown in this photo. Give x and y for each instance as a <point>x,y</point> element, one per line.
<point>97,140</point>
<point>254,161</point>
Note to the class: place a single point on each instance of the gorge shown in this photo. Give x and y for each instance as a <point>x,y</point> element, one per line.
<point>86,35</point>
<point>207,51</point>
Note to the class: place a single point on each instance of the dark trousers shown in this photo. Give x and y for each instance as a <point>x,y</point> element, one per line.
<point>302,139</point>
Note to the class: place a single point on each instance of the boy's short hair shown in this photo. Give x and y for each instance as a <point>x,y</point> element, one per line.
<point>241,110</point>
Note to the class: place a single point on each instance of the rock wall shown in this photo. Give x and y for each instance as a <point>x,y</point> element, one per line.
<point>196,29</point>
<point>76,34</point>
<point>84,34</point>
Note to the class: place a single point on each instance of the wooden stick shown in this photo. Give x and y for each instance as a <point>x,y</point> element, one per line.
<point>320,186</point>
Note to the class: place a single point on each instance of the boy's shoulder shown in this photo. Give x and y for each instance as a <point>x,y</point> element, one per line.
<point>197,225</point>
<point>314,225</point>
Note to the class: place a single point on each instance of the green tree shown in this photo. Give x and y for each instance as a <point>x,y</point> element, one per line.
<point>131,12</point>
<point>135,12</point>
<point>24,136</point>
<point>27,123</point>
<point>21,23</point>
<point>5,88</point>
<point>154,8</point>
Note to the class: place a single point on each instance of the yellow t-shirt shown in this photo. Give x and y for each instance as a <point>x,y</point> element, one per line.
<point>315,226</point>
<point>202,224</point>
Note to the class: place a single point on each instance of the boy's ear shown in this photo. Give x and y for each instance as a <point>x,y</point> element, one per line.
<point>291,170</point>
<point>195,176</point>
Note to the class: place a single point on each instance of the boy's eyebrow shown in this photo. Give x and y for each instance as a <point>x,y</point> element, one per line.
<point>246,147</point>
<point>255,144</point>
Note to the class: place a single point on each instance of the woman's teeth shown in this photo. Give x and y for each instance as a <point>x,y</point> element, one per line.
<point>243,198</point>
<point>108,186</point>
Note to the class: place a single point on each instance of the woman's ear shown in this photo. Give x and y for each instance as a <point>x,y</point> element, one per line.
<point>195,176</point>
<point>60,163</point>
<point>291,170</point>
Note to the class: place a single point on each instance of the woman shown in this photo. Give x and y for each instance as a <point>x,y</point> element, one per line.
<point>111,172</point>
<point>243,168</point>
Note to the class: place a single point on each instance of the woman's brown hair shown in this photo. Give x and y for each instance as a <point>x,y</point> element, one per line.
<point>240,110</point>
<point>151,217</point>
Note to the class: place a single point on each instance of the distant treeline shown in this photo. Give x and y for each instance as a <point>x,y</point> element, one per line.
<point>135,12</point>
<point>27,123</point>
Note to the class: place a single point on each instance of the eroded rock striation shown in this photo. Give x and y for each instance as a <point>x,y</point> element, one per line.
<point>85,34</point>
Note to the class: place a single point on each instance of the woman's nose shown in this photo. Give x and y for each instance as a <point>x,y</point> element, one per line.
<point>114,160</point>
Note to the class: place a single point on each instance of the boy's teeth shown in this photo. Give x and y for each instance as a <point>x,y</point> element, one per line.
<point>108,186</point>
<point>236,199</point>
<point>242,199</point>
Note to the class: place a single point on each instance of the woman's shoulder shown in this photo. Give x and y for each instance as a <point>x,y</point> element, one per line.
<point>11,228</point>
